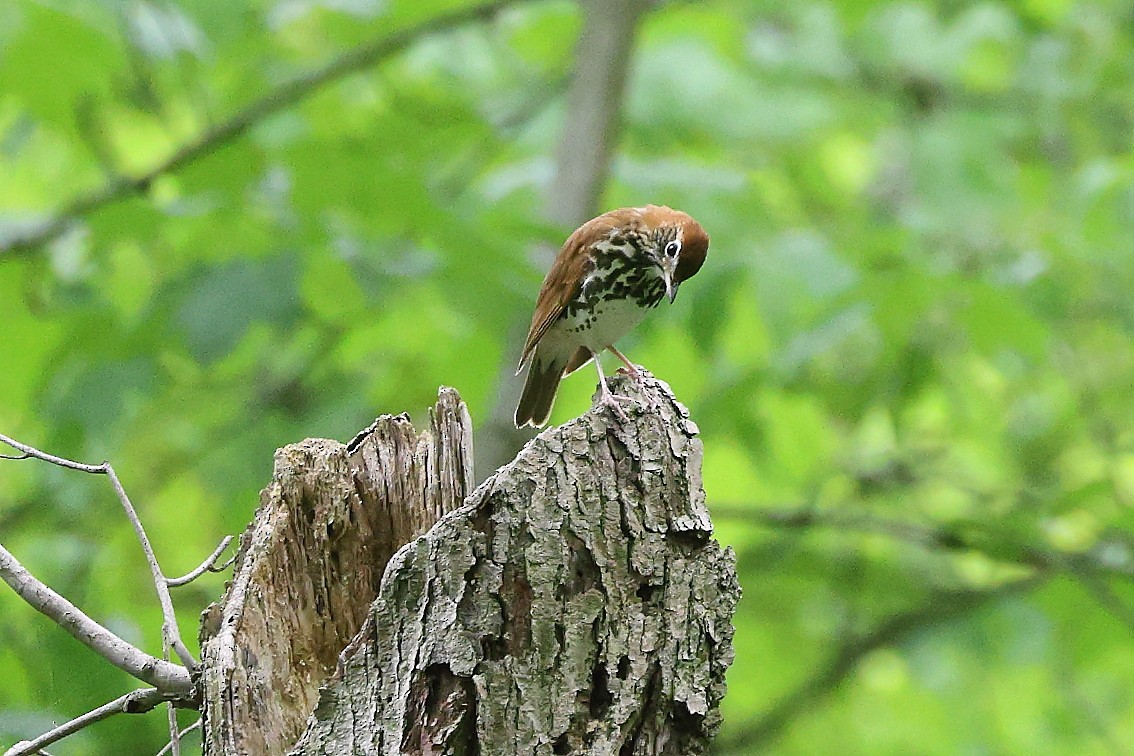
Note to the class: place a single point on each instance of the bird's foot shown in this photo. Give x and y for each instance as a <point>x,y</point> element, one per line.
<point>614,402</point>
<point>629,368</point>
<point>632,370</point>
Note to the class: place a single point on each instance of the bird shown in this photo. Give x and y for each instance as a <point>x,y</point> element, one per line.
<point>609,273</point>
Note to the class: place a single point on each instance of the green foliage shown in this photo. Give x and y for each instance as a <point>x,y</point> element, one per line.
<point>916,310</point>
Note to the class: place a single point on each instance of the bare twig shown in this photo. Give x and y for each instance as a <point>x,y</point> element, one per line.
<point>282,97</point>
<point>185,731</point>
<point>938,608</point>
<point>169,629</point>
<point>134,702</point>
<point>174,733</point>
<point>1110,558</point>
<point>167,677</point>
<point>209,565</point>
<point>171,719</point>
<point>30,452</point>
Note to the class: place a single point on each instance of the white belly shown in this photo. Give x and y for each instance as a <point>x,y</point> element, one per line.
<point>610,322</point>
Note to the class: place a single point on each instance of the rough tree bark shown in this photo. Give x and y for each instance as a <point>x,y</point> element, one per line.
<point>574,603</point>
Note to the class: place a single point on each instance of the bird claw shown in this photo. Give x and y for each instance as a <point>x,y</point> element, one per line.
<point>628,367</point>
<point>633,372</point>
<point>615,402</point>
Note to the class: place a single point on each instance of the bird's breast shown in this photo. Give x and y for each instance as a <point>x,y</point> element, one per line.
<point>611,302</point>
<point>606,323</point>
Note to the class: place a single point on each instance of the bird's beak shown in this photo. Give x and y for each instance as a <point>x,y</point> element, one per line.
<point>667,273</point>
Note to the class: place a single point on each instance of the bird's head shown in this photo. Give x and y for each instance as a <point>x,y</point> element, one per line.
<point>679,245</point>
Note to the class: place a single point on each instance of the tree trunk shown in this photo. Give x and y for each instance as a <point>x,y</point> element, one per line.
<point>575,602</point>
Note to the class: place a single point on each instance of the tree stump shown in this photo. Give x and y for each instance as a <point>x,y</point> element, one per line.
<point>574,603</point>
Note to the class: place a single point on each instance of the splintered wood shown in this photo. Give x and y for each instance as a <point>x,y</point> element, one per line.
<point>310,566</point>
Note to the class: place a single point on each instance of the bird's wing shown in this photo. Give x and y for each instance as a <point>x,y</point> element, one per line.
<point>559,287</point>
<point>567,273</point>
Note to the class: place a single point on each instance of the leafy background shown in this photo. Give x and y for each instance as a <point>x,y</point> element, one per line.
<point>910,353</point>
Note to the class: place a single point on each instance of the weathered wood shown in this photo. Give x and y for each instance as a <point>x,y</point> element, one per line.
<point>575,604</point>
<point>310,565</point>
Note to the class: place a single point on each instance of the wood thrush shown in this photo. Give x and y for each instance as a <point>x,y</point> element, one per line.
<point>610,271</point>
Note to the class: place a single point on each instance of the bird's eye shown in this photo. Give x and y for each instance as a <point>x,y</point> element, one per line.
<point>672,248</point>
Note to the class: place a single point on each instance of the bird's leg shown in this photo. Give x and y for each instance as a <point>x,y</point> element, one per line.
<point>606,397</point>
<point>631,368</point>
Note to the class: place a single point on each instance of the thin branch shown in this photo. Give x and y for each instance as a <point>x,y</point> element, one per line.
<point>209,565</point>
<point>282,97</point>
<point>169,746</point>
<point>174,733</point>
<point>134,702</point>
<point>169,629</point>
<point>1109,558</point>
<point>167,677</point>
<point>30,452</point>
<point>170,632</point>
<point>938,608</point>
<point>171,719</point>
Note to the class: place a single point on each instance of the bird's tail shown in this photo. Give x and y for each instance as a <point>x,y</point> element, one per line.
<point>539,391</point>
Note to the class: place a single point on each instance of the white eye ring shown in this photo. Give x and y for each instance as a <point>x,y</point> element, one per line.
<point>672,248</point>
